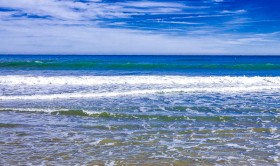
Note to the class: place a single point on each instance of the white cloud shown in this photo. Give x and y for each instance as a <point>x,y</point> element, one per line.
<point>58,39</point>
<point>179,22</point>
<point>149,4</point>
<point>234,12</point>
<point>52,8</point>
<point>218,0</point>
<point>74,29</point>
<point>72,10</point>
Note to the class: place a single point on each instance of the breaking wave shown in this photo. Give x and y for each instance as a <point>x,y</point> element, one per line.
<point>214,81</point>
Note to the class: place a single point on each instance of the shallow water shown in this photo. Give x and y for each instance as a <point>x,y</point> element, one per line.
<point>139,110</point>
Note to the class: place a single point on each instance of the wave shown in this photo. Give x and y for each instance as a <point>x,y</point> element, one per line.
<point>212,81</point>
<point>141,92</point>
<point>109,115</point>
<point>131,66</point>
<point>128,116</point>
<point>74,87</point>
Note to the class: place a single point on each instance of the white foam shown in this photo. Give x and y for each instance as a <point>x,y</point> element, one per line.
<point>237,146</point>
<point>56,87</point>
<point>140,92</point>
<point>101,80</point>
<point>46,110</point>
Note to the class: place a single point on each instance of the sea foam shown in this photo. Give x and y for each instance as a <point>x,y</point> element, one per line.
<point>99,80</point>
<point>128,86</point>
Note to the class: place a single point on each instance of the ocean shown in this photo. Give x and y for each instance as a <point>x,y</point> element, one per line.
<point>139,110</point>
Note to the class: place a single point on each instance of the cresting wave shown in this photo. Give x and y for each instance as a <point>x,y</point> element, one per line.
<point>94,114</point>
<point>141,92</point>
<point>115,86</point>
<point>212,81</point>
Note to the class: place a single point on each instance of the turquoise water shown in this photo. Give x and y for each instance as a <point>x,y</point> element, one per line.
<point>141,65</point>
<point>129,110</point>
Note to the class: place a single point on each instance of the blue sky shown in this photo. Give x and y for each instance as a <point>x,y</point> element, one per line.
<point>239,27</point>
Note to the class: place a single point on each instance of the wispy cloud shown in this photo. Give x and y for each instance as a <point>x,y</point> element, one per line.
<point>130,27</point>
<point>74,10</point>
<point>233,12</point>
<point>218,0</point>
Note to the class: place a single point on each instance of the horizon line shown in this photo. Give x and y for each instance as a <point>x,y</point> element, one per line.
<point>140,55</point>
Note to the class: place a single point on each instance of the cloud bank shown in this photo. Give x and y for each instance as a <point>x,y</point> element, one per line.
<point>135,27</point>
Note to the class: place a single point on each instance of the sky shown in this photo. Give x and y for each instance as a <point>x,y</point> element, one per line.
<point>160,27</point>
